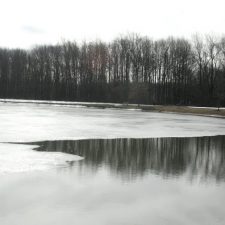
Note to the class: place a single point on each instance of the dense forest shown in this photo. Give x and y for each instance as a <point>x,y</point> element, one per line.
<point>130,69</point>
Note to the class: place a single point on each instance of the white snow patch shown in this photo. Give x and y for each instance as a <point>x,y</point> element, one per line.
<point>16,158</point>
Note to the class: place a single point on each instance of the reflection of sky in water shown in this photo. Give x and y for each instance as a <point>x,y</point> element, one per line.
<point>67,196</point>
<point>168,181</point>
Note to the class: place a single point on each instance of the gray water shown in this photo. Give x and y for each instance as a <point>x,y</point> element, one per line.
<point>200,158</point>
<point>109,167</point>
<point>164,181</point>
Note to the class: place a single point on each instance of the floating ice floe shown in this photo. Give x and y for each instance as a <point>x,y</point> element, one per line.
<point>21,158</point>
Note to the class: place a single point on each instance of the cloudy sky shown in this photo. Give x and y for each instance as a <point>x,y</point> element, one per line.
<point>25,23</point>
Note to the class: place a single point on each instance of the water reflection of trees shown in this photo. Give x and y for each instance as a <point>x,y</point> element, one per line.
<point>202,157</point>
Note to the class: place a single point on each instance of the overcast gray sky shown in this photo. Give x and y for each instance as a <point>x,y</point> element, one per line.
<point>25,23</point>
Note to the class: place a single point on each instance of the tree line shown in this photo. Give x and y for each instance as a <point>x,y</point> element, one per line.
<point>129,69</point>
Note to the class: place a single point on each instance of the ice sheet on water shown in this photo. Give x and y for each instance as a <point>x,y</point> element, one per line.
<point>33,122</point>
<point>21,158</point>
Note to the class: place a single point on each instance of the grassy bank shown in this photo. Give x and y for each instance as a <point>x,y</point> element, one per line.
<point>203,111</point>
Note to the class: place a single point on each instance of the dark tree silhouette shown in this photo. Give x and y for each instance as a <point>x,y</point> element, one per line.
<point>131,69</point>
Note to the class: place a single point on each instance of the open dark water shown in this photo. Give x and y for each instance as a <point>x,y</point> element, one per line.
<point>160,181</point>
<point>196,158</point>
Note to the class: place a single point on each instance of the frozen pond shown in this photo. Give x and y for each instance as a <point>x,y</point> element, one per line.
<point>30,122</point>
<point>87,166</point>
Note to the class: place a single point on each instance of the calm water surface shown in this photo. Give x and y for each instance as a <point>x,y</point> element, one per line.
<point>195,158</point>
<point>162,181</point>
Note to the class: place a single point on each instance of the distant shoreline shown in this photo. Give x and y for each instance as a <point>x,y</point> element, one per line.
<point>188,110</point>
